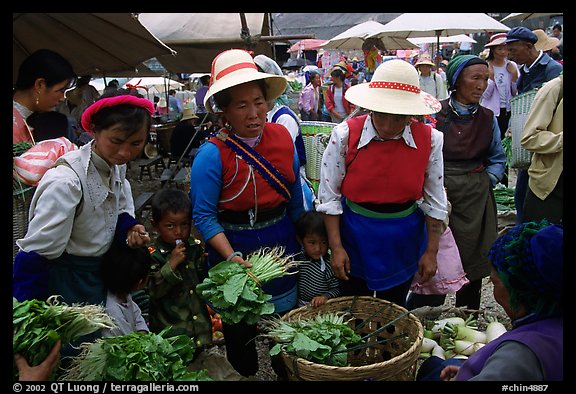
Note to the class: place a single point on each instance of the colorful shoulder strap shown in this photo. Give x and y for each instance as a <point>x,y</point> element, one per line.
<point>263,166</point>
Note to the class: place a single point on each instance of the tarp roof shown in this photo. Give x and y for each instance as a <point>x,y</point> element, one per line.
<point>199,37</point>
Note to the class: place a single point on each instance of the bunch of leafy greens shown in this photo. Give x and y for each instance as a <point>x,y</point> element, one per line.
<point>136,357</point>
<point>324,339</point>
<point>38,325</point>
<point>236,291</point>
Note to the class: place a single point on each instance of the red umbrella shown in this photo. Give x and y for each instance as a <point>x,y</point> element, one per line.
<point>307,44</point>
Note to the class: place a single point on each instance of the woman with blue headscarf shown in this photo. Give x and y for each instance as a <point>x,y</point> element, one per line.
<point>473,164</point>
<point>527,273</point>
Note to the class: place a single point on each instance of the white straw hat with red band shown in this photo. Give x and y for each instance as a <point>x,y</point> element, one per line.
<point>394,89</point>
<point>235,67</point>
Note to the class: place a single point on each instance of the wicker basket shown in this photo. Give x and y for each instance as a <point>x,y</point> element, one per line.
<point>21,198</point>
<point>316,136</point>
<point>519,108</point>
<point>395,359</point>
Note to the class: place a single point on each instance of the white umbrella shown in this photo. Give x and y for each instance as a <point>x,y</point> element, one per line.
<point>523,16</point>
<point>430,40</point>
<point>410,25</point>
<point>354,38</point>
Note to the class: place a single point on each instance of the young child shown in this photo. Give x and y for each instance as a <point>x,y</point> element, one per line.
<point>178,260</point>
<point>316,280</point>
<point>124,270</point>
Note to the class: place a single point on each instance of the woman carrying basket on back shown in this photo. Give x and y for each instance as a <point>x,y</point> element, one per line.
<point>381,187</point>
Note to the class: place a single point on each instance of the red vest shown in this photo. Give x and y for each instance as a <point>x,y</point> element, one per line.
<point>237,192</point>
<point>385,172</point>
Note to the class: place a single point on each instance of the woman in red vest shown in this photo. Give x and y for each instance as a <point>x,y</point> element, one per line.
<point>382,188</point>
<point>245,186</point>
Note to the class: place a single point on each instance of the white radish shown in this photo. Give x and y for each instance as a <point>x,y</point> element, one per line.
<point>467,348</point>
<point>438,351</point>
<point>427,345</point>
<point>439,324</point>
<point>470,335</point>
<point>494,330</point>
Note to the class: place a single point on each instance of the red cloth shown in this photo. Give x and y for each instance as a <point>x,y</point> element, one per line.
<point>386,171</point>
<point>277,147</point>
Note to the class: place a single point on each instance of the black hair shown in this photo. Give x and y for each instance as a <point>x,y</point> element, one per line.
<point>338,73</point>
<point>123,267</point>
<point>557,26</point>
<point>47,64</point>
<point>169,200</point>
<point>130,117</point>
<point>48,125</point>
<point>223,98</point>
<point>310,222</point>
<point>205,80</point>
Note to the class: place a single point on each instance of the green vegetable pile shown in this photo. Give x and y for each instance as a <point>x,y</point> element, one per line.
<point>136,357</point>
<point>38,325</point>
<point>21,147</point>
<point>504,197</point>
<point>236,291</point>
<point>324,339</point>
<point>507,147</point>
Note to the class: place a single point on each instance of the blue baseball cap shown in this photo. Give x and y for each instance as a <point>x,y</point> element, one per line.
<point>521,33</point>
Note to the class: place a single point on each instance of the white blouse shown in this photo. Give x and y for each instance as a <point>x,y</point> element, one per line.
<point>75,207</point>
<point>433,203</point>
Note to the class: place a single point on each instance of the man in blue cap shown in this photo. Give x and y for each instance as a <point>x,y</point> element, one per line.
<point>536,67</point>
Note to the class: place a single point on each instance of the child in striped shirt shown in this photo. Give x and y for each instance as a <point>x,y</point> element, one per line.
<point>316,280</point>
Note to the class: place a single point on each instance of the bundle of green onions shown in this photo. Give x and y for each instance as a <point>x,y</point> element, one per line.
<point>38,325</point>
<point>235,291</point>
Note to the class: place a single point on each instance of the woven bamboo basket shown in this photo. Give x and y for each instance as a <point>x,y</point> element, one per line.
<point>315,136</point>
<point>395,359</point>
<point>21,198</point>
<point>520,106</point>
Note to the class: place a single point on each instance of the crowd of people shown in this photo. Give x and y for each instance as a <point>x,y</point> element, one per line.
<point>405,199</point>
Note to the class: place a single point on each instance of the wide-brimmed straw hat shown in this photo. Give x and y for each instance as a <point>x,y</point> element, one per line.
<point>235,67</point>
<point>394,89</point>
<point>496,39</point>
<point>425,59</point>
<point>188,113</point>
<point>545,42</point>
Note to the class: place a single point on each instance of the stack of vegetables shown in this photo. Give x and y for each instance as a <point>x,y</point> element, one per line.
<point>324,339</point>
<point>38,325</point>
<point>136,357</point>
<point>217,335</point>
<point>458,337</point>
<point>235,291</point>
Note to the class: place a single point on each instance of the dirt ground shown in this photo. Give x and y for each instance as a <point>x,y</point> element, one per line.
<point>214,358</point>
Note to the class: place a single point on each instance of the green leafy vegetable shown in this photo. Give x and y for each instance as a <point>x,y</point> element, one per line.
<point>236,291</point>
<point>38,325</point>
<point>136,357</point>
<point>324,339</point>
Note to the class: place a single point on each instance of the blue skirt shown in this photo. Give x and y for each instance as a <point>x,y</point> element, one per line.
<point>246,239</point>
<point>384,249</point>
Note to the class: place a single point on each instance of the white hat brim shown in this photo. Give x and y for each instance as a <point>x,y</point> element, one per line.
<point>392,101</point>
<point>275,84</point>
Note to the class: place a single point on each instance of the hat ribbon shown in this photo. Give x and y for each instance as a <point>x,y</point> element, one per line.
<point>235,67</point>
<point>394,85</point>
<point>136,86</point>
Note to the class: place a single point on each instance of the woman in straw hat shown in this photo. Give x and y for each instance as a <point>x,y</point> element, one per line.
<point>381,187</point>
<point>526,270</point>
<point>503,74</point>
<point>473,164</point>
<point>245,186</point>
<point>430,81</point>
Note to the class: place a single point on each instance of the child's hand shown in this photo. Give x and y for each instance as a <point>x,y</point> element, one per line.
<point>178,255</point>
<point>318,300</point>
